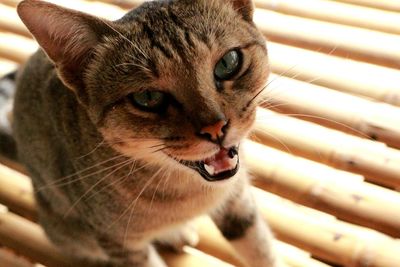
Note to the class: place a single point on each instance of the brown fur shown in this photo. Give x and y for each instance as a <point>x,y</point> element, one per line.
<point>107,175</point>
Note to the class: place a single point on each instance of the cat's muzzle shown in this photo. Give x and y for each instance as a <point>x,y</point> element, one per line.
<point>222,165</point>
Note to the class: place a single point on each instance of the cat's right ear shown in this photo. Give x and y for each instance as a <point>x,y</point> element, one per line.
<point>67,36</point>
<point>245,8</point>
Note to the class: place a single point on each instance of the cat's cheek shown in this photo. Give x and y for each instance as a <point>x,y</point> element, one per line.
<point>195,151</point>
<point>240,127</point>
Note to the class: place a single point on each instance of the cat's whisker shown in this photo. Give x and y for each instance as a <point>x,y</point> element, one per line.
<point>283,73</point>
<point>254,137</point>
<point>158,145</point>
<point>271,106</point>
<point>335,47</point>
<point>132,205</point>
<point>163,177</point>
<point>103,142</point>
<point>77,173</point>
<point>329,120</point>
<point>161,149</point>
<point>274,96</point>
<point>279,141</point>
<point>121,179</point>
<point>116,181</point>
<point>294,76</point>
<point>268,84</point>
<point>166,182</point>
<point>58,184</point>
<point>93,186</point>
<point>132,202</point>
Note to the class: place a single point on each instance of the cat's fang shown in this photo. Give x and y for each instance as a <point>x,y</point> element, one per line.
<point>209,169</point>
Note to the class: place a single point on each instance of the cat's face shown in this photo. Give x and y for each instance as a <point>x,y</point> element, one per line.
<point>176,82</point>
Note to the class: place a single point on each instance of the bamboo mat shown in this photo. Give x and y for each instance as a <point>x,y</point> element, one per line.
<point>325,152</point>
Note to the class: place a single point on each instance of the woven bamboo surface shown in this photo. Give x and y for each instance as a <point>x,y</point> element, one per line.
<point>325,153</point>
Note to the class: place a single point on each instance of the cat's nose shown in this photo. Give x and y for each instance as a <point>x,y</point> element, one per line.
<point>214,132</point>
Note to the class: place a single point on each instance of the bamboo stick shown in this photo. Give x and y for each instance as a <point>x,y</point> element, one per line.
<point>8,259</point>
<point>334,109</point>
<point>392,5</point>
<point>350,42</point>
<point>374,160</point>
<point>340,74</point>
<point>339,193</point>
<point>360,45</point>
<point>16,48</point>
<point>16,192</point>
<point>97,8</point>
<point>9,21</point>
<point>212,242</point>
<point>296,257</point>
<point>126,4</point>
<point>193,258</point>
<point>385,4</point>
<point>7,66</point>
<point>11,3</point>
<point>332,240</point>
<point>28,239</point>
<point>340,13</point>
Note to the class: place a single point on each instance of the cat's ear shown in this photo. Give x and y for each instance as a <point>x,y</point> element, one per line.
<point>67,36</point>
<point>244,8</point>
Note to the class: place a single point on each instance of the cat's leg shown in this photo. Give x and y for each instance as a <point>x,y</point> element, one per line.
<point>177,238</point>
<point>240,223</point>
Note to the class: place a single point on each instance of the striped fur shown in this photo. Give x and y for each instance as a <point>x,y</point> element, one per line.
<point>111,180</point>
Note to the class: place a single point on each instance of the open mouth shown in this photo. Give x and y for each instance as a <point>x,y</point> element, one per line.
<point>222,165</point>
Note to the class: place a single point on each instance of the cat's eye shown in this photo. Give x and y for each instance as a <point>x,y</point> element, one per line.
<point>228,65</point>
<point>152,101</point>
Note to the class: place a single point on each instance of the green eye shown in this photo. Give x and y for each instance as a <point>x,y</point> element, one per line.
<point>152,101</point>
<point>228,65</point>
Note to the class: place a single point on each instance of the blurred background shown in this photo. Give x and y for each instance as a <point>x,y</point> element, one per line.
<point>325,153</point>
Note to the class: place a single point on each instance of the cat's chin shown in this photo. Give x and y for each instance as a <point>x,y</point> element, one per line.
<point>221,166</point>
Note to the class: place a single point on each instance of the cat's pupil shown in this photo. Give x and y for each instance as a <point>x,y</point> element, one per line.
<point>147,100</point>
<point>228,65</point>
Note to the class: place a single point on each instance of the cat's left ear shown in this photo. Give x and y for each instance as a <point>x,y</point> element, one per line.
<point>67,36</point>
<point>244,8</point>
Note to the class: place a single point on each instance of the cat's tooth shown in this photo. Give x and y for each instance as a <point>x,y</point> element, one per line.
<point>209,169</point>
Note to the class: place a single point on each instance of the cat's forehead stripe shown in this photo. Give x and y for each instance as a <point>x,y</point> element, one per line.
<point>170,35</point>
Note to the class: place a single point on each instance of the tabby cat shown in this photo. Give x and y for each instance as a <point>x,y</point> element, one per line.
<point>132,128</point>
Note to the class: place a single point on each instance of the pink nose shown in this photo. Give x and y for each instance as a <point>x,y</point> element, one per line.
<point>214,131</point>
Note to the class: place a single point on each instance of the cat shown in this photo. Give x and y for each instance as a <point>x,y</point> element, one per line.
<point>132,128</point>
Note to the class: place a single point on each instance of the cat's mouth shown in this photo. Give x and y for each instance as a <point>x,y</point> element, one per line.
<point>222,165</point>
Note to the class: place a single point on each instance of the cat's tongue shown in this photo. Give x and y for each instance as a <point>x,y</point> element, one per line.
<point>223,161</point>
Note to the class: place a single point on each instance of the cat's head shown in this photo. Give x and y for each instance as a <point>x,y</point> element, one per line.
<point>172,82</point>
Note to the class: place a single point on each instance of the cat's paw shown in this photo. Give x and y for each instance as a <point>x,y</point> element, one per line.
<point>175,240</point>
